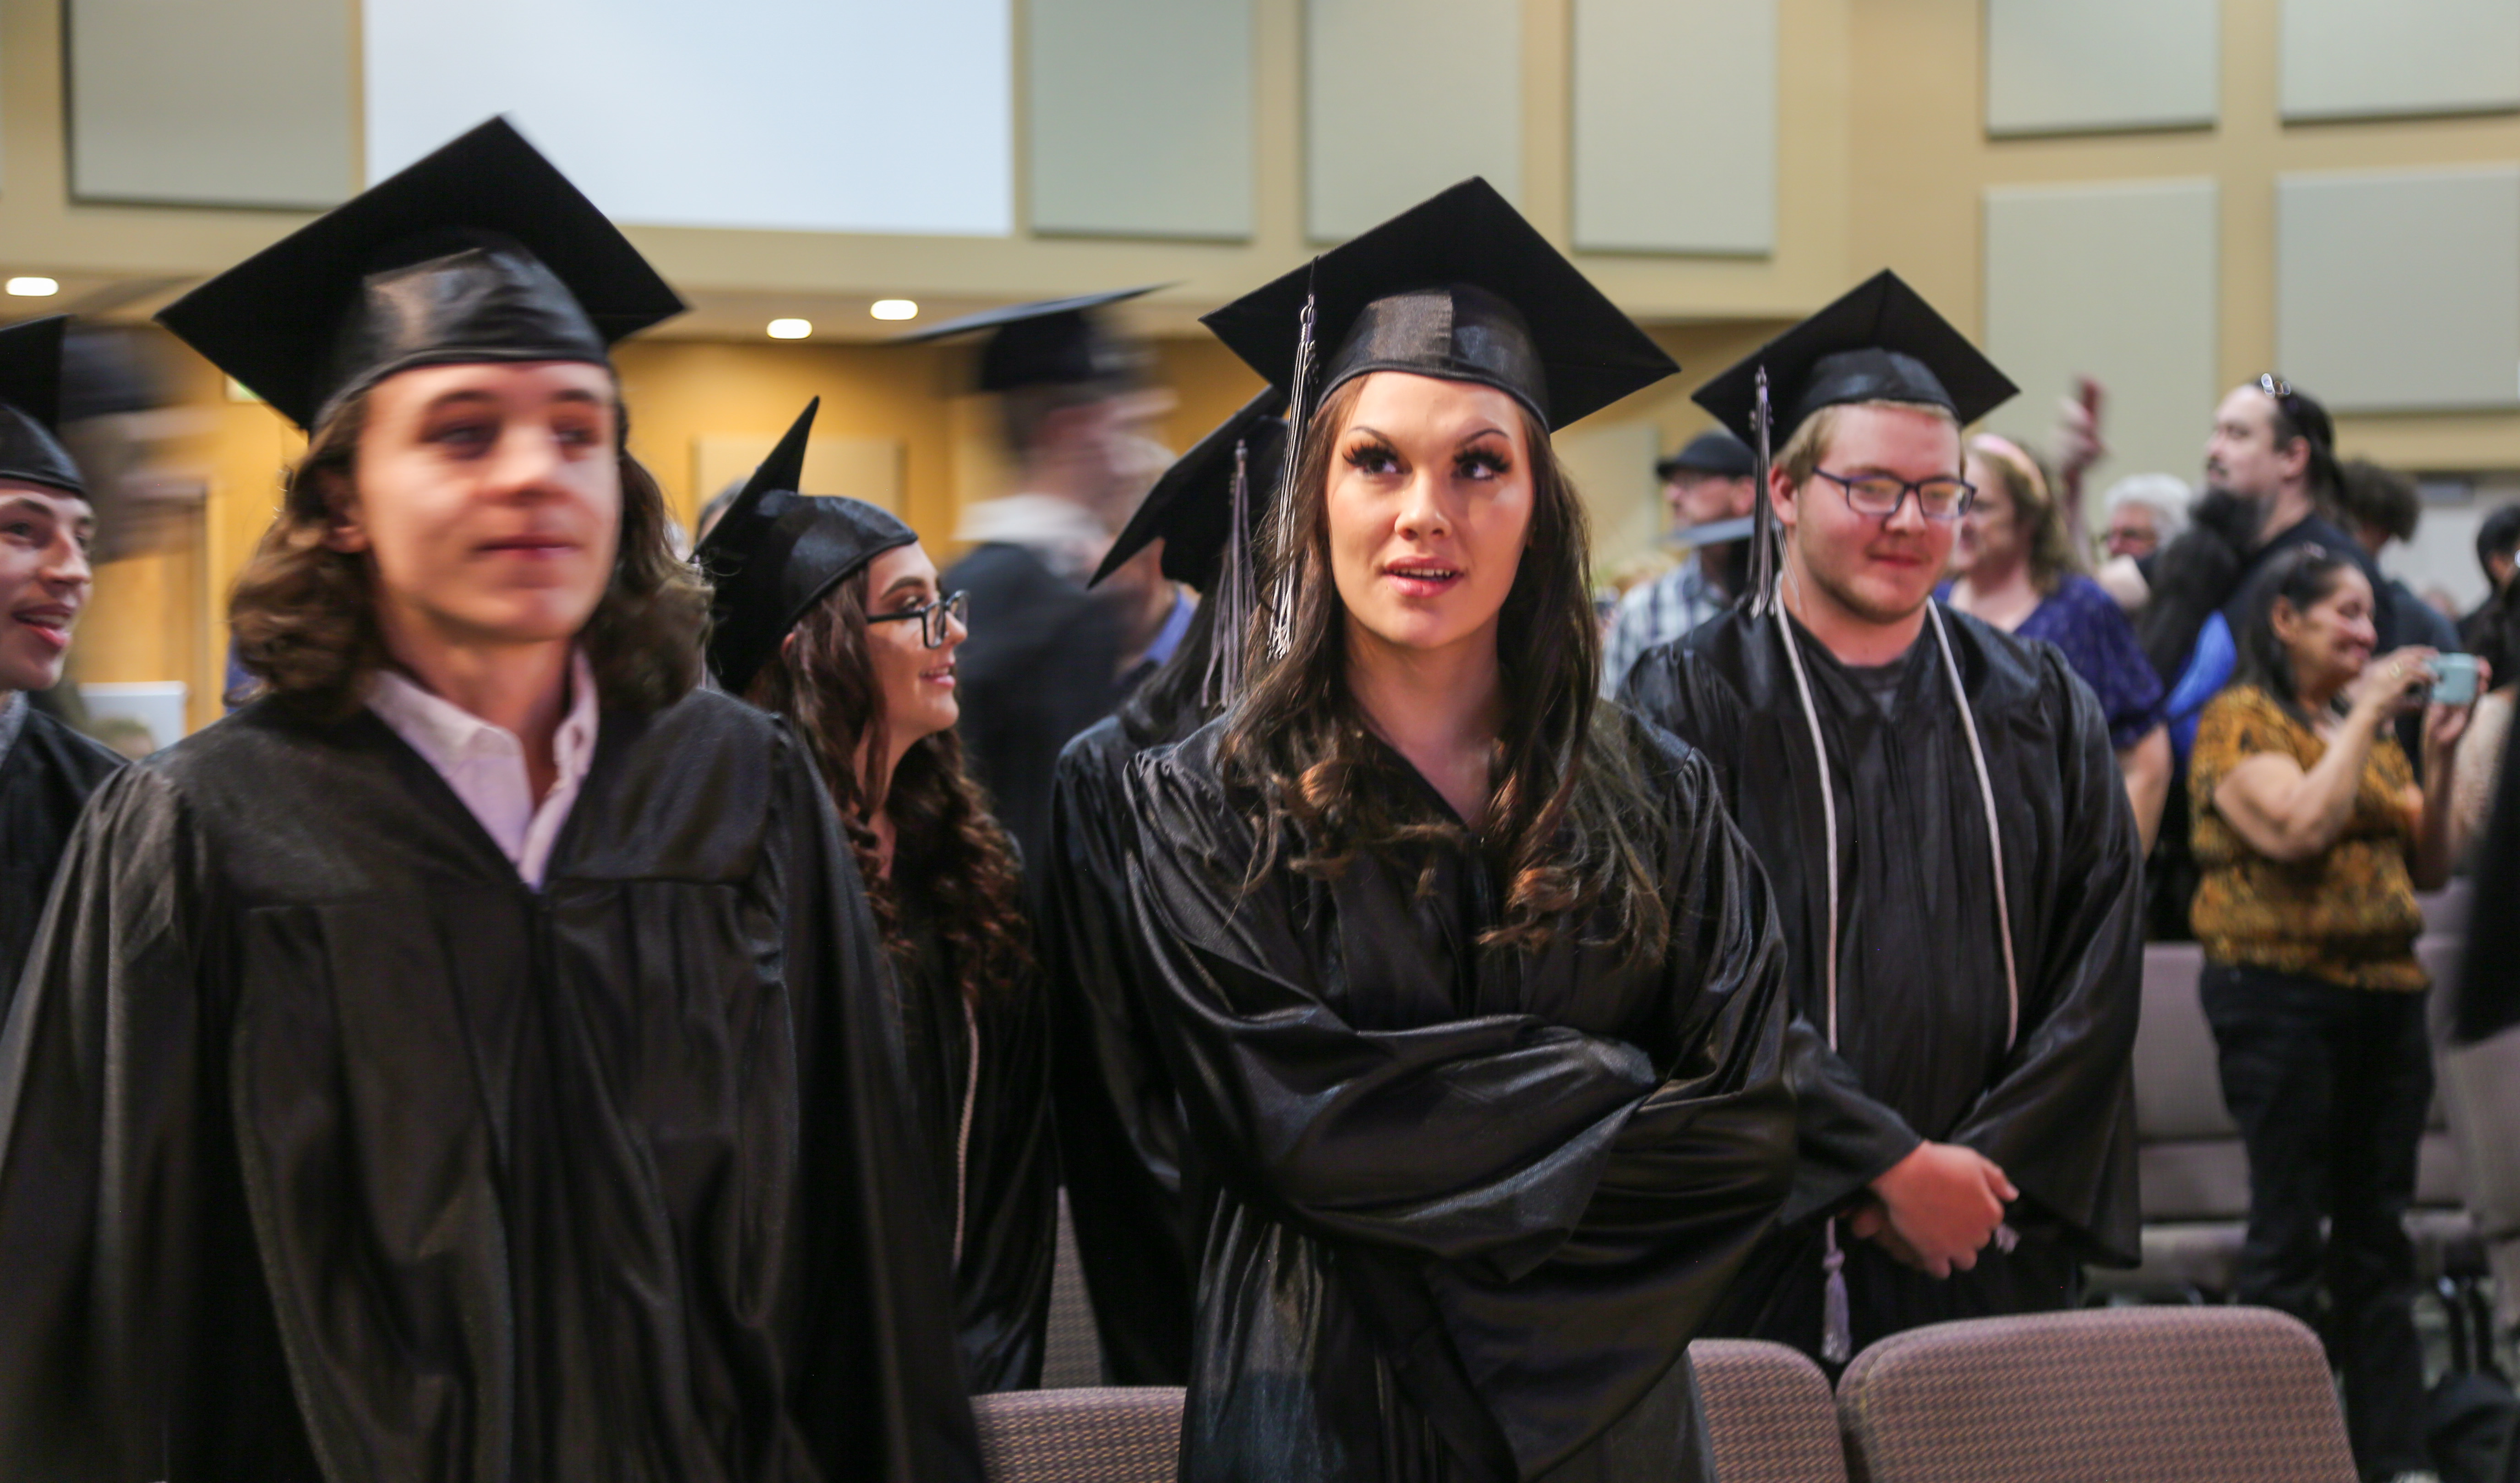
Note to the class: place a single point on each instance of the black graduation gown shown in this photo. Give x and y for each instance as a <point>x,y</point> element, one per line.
<point>1042,664</point>
<point>328,1148</point>
<point>1461,1210</point>
<point>45,778</point>
<point>1922,1002</point>
<point>1007,1172</point>
<point>1119,1120</point>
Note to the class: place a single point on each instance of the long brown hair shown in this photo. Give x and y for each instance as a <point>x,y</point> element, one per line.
<point>305,615</point>
<point>2050,544</point>
<point>946,844</point>
<point>1568,789</point>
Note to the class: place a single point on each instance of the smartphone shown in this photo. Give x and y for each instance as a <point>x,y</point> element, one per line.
<point>2453,679</point>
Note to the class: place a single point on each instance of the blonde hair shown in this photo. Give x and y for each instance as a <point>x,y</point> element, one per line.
<point>2051,546</point>
<point>1805,451</point>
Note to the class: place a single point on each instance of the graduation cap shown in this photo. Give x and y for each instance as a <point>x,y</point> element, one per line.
<point>1191,507</point>
<point>776,552</point>
<point>1458,286</point>
<point>1880,342</point>
<point>1056,342</point>
<point>481,252</point>
<point>30,406</point>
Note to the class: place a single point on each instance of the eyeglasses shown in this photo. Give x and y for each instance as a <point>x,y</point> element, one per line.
<point>1941,500</point>
<point>933,617</point>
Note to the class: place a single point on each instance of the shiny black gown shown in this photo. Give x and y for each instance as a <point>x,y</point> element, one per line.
<point>1006,1171</point>
<point>1461,1210</point>
<point>45,778</point>
<point>330,1150</point>
<point>1119,1118</point>
<point>1922,1002</point>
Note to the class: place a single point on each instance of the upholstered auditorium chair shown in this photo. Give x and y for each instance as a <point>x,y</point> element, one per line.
<point>2163,1395</point>
<point>1081,1436</point>
<point>1769,1414</point>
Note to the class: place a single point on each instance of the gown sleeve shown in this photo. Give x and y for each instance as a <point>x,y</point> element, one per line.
<point>103,1101</point>
<point>1011,1226</point>
<point>1845,1136</point>
<point>2059,1117</point>
<point>877,1390</point>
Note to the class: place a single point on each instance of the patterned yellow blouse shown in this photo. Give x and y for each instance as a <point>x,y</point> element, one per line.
<point>2349,916</point>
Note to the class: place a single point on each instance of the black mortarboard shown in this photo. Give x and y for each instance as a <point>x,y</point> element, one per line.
<point>1192,506</point>
<point>482,251</point>
<point>1881,343</point>
<point>777,551</point>
<point>30,406</point>
<point>1458,286</point>
<point>1714,451</point>
<point>1057,341</point>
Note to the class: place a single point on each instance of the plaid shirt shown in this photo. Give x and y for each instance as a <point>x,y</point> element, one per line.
<point>1654,614</point>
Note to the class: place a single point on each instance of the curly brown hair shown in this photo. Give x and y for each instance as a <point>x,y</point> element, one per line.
<point>304,618</point>
<point>1568,781</point>
<point>946,843</point>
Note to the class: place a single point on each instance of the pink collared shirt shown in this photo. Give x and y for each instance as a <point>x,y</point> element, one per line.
<point>485,764</point>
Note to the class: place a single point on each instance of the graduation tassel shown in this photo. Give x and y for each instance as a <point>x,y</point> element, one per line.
<point>1224,679</point>
<point>1282,592</point>
<point>1763,535</point>
<point>1836,1322</point>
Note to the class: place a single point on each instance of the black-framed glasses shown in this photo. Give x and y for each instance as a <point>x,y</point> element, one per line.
<point>934,615</point>
<point>1942,500</point>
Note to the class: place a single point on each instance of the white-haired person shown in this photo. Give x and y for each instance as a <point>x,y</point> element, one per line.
<point>2142,512</point>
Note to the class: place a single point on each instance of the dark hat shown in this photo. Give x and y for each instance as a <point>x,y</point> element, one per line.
<point>776,552</point>
<point>482,251</point>
<point>1880,344</point>
<point>30,406</point>
<point>1192,506</point>
<point>1714,451</point>
<point>1057,341</point>
<point>1458,286</point>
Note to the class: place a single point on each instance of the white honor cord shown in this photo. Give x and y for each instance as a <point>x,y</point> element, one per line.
<point>963,1139</point>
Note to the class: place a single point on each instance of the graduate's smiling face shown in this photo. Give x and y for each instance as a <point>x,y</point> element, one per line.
<point>488,498</point>
<point>1873,568</point>
<point>1429,507</point>
<point>917,682</point>
<point>44,577</point>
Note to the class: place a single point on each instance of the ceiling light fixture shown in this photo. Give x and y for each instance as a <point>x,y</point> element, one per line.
<point>34,288</point>
<point>790,329</point>
<point>894,308</point>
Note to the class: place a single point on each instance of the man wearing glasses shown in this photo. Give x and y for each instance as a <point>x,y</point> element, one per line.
<point>1954,859</point>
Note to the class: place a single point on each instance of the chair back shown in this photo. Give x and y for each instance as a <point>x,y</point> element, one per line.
<point>1081,1436</point>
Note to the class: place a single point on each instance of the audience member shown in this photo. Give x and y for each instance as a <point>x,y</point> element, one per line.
<point>2314,838</point>
<point>2378,506</point>
<point>2014,567</point>
<point>47,769</point>
<point>1941,816</point>
<point>471,1058</point>
<point>2145,512</point>
<point>1417,873</point>
<point>2498,548</point>
<point>1706,486</point>
<point>827,613</point>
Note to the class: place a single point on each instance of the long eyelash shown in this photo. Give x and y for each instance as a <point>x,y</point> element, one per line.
<point>1368,451</point>
<point>1481,458</point>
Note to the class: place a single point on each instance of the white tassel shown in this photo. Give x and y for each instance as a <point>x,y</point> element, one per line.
<point>1233,596</point>
<point>1282,592</point>
<point>1763,535</point>
<point>1837,1322</point>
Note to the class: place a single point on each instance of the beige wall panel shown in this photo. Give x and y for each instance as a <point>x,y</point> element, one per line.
<point>1612,467</point>
<point>1666,167</point>
<point>865,469</point>
<point>2400,290</point>
<point>2056,67</point>
<point>1142,117</point>
<point>2345,59</point>
<point>1403,98</point>
<point>239,103</point>
<point>2117,282</point>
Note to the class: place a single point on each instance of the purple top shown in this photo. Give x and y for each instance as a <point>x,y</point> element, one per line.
<point>2084,624</point>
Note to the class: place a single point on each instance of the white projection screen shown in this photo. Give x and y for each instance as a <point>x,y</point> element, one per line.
<point>816,115</point>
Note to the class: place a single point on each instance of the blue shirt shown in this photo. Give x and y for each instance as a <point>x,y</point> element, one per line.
<point>1654,614</point>
<point>2087,626</point>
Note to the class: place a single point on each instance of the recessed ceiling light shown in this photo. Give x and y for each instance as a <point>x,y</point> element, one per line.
<point>790,329</point>
<point>894,308</point>
<point>34,288</point>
